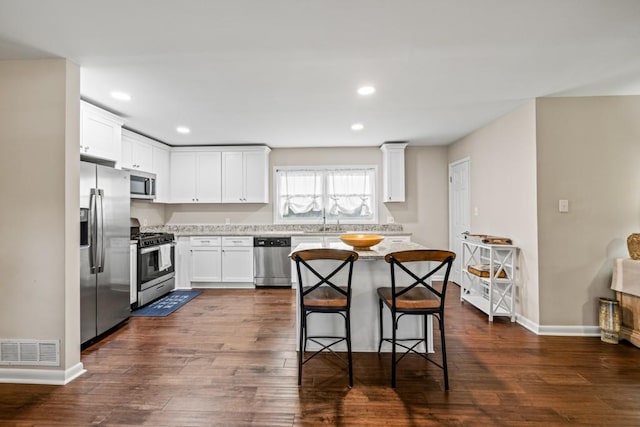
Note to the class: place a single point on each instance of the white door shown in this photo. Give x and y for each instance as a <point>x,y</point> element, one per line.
<point>459,211</point>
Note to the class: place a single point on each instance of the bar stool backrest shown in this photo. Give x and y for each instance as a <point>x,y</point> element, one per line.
<point>303,260</point>
<point>401,258</point>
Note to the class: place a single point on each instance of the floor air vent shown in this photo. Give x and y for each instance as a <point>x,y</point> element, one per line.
<point>30,352</point>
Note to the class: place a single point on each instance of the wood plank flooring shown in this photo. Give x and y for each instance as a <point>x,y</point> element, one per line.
<point>228,358</point>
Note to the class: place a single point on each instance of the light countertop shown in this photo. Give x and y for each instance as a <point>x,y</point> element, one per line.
<point>376,252</point>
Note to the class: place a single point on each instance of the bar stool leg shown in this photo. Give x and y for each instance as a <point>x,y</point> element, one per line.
<point>301,345</point>
<point>380,325</point>
<point>394,326</point>
<point>444,352</point>
<point>347,321</point>
<point>426,334</point>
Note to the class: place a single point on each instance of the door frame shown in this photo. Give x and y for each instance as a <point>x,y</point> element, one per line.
<point>466,160</point>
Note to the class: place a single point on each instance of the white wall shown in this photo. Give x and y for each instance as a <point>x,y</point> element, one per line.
<point>39,253</point>
<point>503,190</point>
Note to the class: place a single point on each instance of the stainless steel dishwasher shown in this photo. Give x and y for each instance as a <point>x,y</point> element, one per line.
<point>271,263</point>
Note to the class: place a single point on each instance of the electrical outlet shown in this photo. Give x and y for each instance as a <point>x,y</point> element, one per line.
<point>390,220</point>
<point>563,205</point>
<point>145,222</point>
<point>227,220</point>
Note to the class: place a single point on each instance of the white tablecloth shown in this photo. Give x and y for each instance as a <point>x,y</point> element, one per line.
<point>626,276</point>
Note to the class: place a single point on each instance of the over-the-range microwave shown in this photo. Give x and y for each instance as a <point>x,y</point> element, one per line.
<point>143,185</point>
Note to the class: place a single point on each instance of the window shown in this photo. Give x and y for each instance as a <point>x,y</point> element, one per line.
<point>306,195</point>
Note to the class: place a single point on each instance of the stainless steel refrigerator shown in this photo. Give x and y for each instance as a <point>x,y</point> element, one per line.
<point>104,249</point>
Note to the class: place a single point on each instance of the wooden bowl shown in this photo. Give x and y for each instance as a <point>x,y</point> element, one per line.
<point>361,241</point>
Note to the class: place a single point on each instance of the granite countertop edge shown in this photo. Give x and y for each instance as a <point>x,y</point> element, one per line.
<point>275,230</point>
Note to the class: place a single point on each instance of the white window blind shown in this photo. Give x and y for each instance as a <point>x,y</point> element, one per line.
<point>305,195</point>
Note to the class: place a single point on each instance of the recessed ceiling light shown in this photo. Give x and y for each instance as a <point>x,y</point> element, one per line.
<point>366,90</point>
<point>183,129</point>
<point>121,96</point>
<point>357,126</point>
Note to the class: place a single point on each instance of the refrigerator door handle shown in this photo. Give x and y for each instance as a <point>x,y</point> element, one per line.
<point>100,232</point>
<point>92,231</point>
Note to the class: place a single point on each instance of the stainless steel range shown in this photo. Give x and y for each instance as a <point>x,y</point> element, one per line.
<point>156,264</point>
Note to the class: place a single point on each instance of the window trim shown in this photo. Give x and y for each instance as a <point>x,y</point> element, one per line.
<point>324,170</point>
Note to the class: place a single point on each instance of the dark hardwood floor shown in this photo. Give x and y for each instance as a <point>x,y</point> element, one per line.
<point>228,358</point>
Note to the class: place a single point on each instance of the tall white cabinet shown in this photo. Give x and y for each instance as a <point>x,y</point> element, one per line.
<point>393,171</point>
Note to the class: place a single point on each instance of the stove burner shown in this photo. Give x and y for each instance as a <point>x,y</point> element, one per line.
<point>152,239</point>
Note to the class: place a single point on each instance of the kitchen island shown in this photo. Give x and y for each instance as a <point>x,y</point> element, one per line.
<point>370,271</point>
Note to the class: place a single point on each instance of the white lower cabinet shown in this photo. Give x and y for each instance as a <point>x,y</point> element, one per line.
<point>237,259</point>
<point>183,262</point>
<point>217,262</point>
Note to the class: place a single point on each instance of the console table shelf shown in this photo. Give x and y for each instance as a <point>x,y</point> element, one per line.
<point>488,278</point>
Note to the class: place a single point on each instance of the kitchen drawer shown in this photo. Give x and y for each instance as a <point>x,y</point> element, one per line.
<point>205,241</point>
<point>397,239</point>
<point>237,241</point>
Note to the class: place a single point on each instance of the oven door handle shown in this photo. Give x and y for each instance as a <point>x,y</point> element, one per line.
<point>153,248</point>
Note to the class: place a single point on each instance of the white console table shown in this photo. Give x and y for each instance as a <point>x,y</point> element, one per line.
<point>488,277</point>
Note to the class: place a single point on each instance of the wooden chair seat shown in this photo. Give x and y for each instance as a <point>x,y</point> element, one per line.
<point>416,298</point>
<point>325,296</point>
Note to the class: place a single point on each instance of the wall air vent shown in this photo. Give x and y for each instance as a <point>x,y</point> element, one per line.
<point>30,352</point>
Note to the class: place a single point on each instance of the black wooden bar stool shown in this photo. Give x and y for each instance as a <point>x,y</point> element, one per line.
<point>418,298</point>
<point>318,293</point>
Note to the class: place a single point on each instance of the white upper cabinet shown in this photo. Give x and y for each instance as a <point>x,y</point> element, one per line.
<point>195,176</point>
<point>137,153</point>
<point>100,133</point>
<point>183,177</point>
<point>162,168</point>
<point>245,177</point>
<point>393,171</point>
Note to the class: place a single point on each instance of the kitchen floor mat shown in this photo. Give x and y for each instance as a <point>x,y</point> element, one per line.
<point>167,304</point>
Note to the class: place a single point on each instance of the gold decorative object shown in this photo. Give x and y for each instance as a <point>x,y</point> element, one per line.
<point>609,320</point>
<point>361,242</point>
<point>633,244</point>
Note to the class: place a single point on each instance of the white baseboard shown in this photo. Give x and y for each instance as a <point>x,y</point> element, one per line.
<point>559,330</point>
<point>223,285</point>
<point>41,376</point>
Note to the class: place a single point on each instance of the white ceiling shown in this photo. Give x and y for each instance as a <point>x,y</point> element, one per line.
<point>285,72</point>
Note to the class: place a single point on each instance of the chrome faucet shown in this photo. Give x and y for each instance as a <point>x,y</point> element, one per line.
<point>324,220</point>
